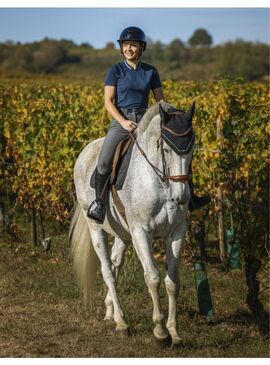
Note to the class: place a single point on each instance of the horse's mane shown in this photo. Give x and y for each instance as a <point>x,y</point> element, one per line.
<point>150,114</point>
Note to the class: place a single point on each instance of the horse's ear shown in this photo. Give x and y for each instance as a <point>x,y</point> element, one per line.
<point>190,112</point>
<point>164,116</point>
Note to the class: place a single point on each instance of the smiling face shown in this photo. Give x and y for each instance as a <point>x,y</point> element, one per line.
<point>131,50</point>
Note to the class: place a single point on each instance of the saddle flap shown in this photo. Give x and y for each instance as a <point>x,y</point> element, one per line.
<point>120,164</point>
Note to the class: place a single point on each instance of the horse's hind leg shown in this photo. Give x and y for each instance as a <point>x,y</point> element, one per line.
<point>117,258</point>
<point>100,243</point>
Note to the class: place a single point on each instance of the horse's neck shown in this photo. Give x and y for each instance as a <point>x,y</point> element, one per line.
<point>148,141</point>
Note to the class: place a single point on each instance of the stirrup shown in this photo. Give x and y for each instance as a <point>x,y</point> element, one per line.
<point>96,211</point>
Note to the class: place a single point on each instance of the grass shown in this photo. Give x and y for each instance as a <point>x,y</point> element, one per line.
<point>42,315</point>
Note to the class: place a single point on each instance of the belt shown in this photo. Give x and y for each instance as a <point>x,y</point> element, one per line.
<point>134,110</point>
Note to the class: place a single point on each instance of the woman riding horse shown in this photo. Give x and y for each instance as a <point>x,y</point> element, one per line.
<point>126,94</point>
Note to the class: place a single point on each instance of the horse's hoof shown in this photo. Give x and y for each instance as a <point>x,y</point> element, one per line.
<point>163,343</point>
<point>123,332</point>
<point>177,342</point>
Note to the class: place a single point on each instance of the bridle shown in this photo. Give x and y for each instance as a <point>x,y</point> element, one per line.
<point>163,175</point>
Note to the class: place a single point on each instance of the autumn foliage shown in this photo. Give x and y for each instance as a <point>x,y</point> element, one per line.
<point>44,128</point>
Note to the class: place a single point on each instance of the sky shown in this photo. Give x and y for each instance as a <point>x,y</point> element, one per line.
<point>98,26</point>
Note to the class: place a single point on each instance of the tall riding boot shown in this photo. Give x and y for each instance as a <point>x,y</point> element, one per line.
<point>196,201</point>
<point>96,210</point>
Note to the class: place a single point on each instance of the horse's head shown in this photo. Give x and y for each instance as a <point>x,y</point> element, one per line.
<point>167,137</point>
<point>176,129</point>
<point>163,118</point>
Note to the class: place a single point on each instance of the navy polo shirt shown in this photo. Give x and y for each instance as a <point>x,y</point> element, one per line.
<point>132,86</point>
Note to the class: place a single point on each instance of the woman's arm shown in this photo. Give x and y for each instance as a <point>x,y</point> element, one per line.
<point>109,95</point>
<point>158,94</point>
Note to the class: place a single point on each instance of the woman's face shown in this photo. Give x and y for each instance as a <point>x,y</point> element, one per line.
<point>131,50</point>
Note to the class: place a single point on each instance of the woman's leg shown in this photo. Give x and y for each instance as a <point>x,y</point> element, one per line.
<point>115,135</point>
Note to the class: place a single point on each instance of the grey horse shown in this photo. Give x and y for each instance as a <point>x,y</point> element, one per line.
<point>155,205</point>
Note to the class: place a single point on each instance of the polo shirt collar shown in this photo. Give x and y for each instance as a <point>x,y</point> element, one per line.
<point>128,66</point>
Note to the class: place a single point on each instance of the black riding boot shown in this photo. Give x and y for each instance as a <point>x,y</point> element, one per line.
<point>195,201</point>
<point>96,210</point>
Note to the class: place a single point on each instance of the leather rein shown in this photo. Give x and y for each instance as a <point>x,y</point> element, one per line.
<point>163,175</point>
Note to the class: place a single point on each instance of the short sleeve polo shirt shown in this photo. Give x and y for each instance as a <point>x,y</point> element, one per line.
<point>132,86</point>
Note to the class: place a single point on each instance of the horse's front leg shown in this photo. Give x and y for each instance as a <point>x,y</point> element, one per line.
<point>174,244</point>
<point>117,259</point>
<point>143,245</point>
<point>100,243</point>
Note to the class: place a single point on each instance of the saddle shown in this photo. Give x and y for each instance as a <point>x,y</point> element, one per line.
<point>118,174</point>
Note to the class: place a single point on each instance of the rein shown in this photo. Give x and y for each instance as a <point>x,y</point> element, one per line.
<point>162,174</point>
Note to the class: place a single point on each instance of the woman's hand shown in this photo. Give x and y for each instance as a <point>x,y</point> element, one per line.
<point>129,125</point>
<point>109,96</point>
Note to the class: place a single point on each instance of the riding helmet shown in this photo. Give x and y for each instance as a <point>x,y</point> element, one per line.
<point>132,34</point>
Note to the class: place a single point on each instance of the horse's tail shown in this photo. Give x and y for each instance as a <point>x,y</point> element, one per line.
<point>85,260</point>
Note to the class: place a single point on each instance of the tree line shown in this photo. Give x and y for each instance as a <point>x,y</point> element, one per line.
<point>197,59</point>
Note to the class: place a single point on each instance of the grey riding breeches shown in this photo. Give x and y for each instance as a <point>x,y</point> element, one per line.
<point>115,135</point>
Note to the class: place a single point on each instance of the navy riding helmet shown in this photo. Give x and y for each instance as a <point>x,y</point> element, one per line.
<point>132,34</point>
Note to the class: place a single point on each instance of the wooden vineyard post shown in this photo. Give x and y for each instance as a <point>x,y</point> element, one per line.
<point>221,234</point>
<point>199,232</point>
<point>2,220</point>
<point>33,226</point>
